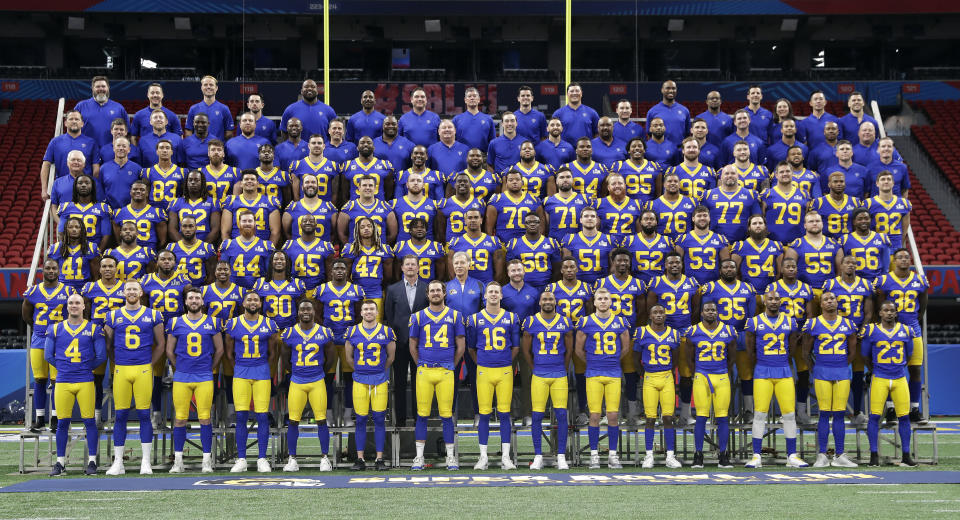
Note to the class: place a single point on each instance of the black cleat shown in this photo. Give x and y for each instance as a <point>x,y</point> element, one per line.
<point>58,470</point>
<point>916,417</point>
<point>746,417</point>
<point>380,465</point>
<point>53,425</point>
<point>91,468</point>
<point>908,461</point>
<point>359,465</point>
<point>891,417</point>
<point>874,460</point>
<point>724,460</point>
<point>38,424</point>
<point>697,460</point>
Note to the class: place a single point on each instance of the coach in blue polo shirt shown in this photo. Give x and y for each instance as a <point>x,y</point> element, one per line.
<point>474,128</point>
<point>419,125</point>
<point>393,147</point>
<point>99,112</point>
<point>140,124</point>
<point>367,122</point>
<point>243,151</point>
<point>504,151</point>
<point>676,117</point>
<point>60,146</point>
<point>578,119</point>
<point>314,115</point>
<point>221,122</point>
<point>447,155</point>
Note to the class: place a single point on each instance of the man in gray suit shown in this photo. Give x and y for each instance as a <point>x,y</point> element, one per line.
<point>402,299</point>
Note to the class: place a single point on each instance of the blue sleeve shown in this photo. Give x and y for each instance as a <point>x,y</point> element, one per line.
<point>50,349</point>
<point>492,153</point>
<point>543,127</point>
<point>815,191</point>
<point>105,224</point>
<point>492,133</point>
<point>515,334</point>
<point>284,117</point>
<point>865,347</point>
<point>99,349</point>
<point>905,183</point>
<point>189,124</point>
<point>348,135</point>
<point>400,128</point>
<point>227,120</point>
<point>471,336</point>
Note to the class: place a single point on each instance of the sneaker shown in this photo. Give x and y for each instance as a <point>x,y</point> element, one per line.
<point>755,462</point>
<point>240,466</point>
<point>672,462</point>
<point>537,462</point>
<point>380,465</point>
<point>822,461</point>
<point>506,463</point>
<point>452,463</point>
<point>291,465</point>
<point>116,468</point>
<point>874,460</point>
<point>359,465</point>
<point>647,462</point>
<point>58,470</point>
<point>562,461</point>
<point>916,417</point>
<point>263,466</point>
<point>91,468</point>
<point>724,461</point>
<point>613,461</point>
<point>206,466</point>
<point>697,460</point>
<point>859,421</point>
<point>325,464</point>
<point>146,468</point>
<point>177,467</point>
<point>527,421</point>
<point>482,463</point>
<point>417,464</point>
<point>594,461</point>
<point>794,461</point>
<point>582,419</point>
<point>841,461</point>
<point>906,461</point>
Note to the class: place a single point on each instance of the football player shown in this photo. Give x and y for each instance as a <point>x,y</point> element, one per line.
<point>655,348</point>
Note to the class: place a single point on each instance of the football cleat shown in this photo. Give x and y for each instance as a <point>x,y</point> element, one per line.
<point>380,465</point>
<point>145,468</point>
<point>874,459</point>
<point>506,463</point>
<point>177,467</point>
<point>673,463</point>
<point>724,460</point>
<point>794,461</point>
<point>116,468</point>
<point>91,468</point>
<point>452,463</point>
<point>582,419</point>
<point>647,462</point>
<point>482,463</point>
<point>38,424</point>
<point>537,462</point>
<point>206,466</point>
<point>697,460</point>
<point>325,464</point>
<point>263,466</point>
<point>53,424</point>
<point>359,465</point>
<point>240,466</point>
<point>755,462</point>
<point>859,421</point>
<point>822,461</point>
<point>58,470</point>
<point>746,417</point>
<point>291,465</point>
<point>917,417</point>
<point>594,461</point>
<point>906,461</point>
<point>562,461</point>
<point>890,417</point>
<point>842,461</point>
<point>613,461</point>
<point>417,464</point>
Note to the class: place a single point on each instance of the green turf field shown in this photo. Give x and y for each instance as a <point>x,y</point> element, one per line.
<point>730,501</point>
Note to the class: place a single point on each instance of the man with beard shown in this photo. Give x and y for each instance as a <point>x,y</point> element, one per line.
<point>474,128</point>
<point>133,260</point>
<point>221,122</point>
<point>391,146</point>
<point>448,155</point>
<point>485,253</point>
<point>266,128</point>
<point>589,247</point>
<point>856,177</point>
<point>675,117</point>
<point>482,182</point>
<point>294,147</point>
<point>540,254</point>
<point>563,209</point>
<point>415,204</point>
<point>273,181</point>
<point>850,123</point>
<point>504,151</point>
<point>658,148</point>
<point>709,152</point>
<point>890,213</point>
<point>247,253</point>
<point>554,150</point>
<point>753,176</point>
<point>808,180</point>
<point>368,164</point>
<point>195,201</point>
<point>264,209</point>
<point>150,222</point>
<point>323,211</point>
<point>606,148</point>
<point>507,211</point>
<point>643,177</point>
<point>451,211</point>
<point>326,173</point>
<point>719,123</point>
<point>315,115</point>
<point>419,125</point>
<point>220,177</point>
<point>758,148</point>
<point>578,120</point>
<point>338,150</point>
<point>587,173</point>
<point>59,148</point>
<point>431,254</point>
<point>824,155</point>
<point>673,209</point>
<point>784,205</point>
<point>367,122</point>
<point>197,258</point>
<point>870,249</point>
<point>94,215</point>
<point>537,178</point>
<point>619,215</point>
<point>695,177</point>
<point>777,151</point>
<point>531,123</point>
<point>430,179</point>
<point>836,207</point>
<point>243,150</point>
<point>757,256</point>
<point>99,111</point>
<point>367,205</point>
<point>195,149</point>
<point>730,205</point>
<point>648,248</point>
<point>702,249</point>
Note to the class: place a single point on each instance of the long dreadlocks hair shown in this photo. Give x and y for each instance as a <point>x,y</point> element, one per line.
<point>355,246</point>
<point>287,265</point>
<point>93,188</point>
<point>182,186</point>
<point>84,243</point>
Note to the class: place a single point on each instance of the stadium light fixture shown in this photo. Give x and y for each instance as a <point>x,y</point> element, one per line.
<point>147,64</point>
<point>431,26</point>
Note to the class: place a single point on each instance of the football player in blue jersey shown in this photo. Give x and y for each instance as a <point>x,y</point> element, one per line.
<point>590,247</point>
<point>370,349</point>
<point>829,344</point>
<point>264,208</point>
<point>757,256</point>
<point>702,249</point>
<point>415,204</point>
<point>870,249</point>
<point>753,176</point>
<point>329,184</point>
<point>695,177</point>
<point>644,178</point>
<point>486,254</point>
<point>540,254</point>
<point>836,207</point>
<point>367,205</point>
<point>194,201</point>
<point>163,175</point>
<point>247,253</point>
<point>784,204</point>
<point>95,215</point>
<point>432,180</point>
<point>431,254</point>
<point>273,180</point>
<point>655,348</point>
<point>506,210</point>
<point>310,254</point>
<point>75,347</point>
<point>371,262</point>
<point>78,257</point>
<point>648,248</point>
<point>731,205</point>
<point>548,347</point>
<point>587,173</point>
<point>135,342</point>
<point>481,183</point>
<point>150,221</point>
<point>220,177</point>
<point>891,214</point>
<point>602,342</point>
<point>886,347</point>
<point>619,215</point>
<point>574,300</point>
<point>197,259</point>
<point>101,297</point>
<point>324,213</point>
<point>673,208</point>
<point>339,305</point>
<point>537,177</point>
<point>563,208</point>
<point>133,260</point>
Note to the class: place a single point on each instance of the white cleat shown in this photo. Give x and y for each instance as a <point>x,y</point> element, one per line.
<point>206,466</point>
<point>673,463</point>
<point>860,420</point>
<point>537,462</point>
<point>822,461</point>
<point>417,464</point>
<point>755,462</point>
<point>562,461</point>
<point>647,462</point>
<point>613,461</point>
<point>841,461</point>
<point>482,463</point>
<point>116,468</point>
<point>145,468</point>
<point>325,464</point>
<point>240,466</point>
<point>594,461</point>
<point>291,465</point>
<point>795,461</point>
<point>452,464</point>
<point>263,466</point>
<point>177,467</point>
<point>506,463</point>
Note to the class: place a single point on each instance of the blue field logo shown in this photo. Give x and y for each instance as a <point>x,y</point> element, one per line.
<point>265,482</point>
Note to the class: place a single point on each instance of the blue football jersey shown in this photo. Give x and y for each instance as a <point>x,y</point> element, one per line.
<point>538,258</point>
<point>103,299</point>
<point>220,181</point>
<point>850,297</point>
<point>694,182</point>
<point>406,210</point>
<point>325,171</point>
<point>710,347</point>
<point>548,345</point>
<point>872,253</point>
<point>905,293</point>
<point>192,260</point>
<point>481,251</point>
<point>835,214</point>
<point>888,349</point>
<point>592,254</point>
<point>701,255</point>
<point>131,265</point>
<point>648,254</point>
<point>772,344</point>
<point>366,268</point>
<point>815,262</point>
<point>676,297</point>
<point>453,210</point>
<point>370,352</point>
<point>338,306</point>
<point>587,177</point>
<point>641,179</point>
<point>194,349</point>
<point>758,261</point>
<point>248,260</point>
<point>735,303</point>
<point>76,350</point>
<point>261,206</point>
<point>730,212</point>
<point>658,350</point>
<point>493,337</point>
<point>830,347</point>
<point>223,304</point>
<point>430,254</point>
<point>251,346</point>
<point>202,211</point>
<point>511,212</point>
<point>602,347</point>
<point>306,352</point>
<point>165,296</point>
<point>133,335</point>
<point>48,306</point>
<point>564,214</point>
<point>436,335</point>
<point>571,301</point>
<point>674,216</point>
<point>784,212</point>
<point>618,220</point>
<point>280,299</point>
<point>309,259</point>
<point>624,296</point>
